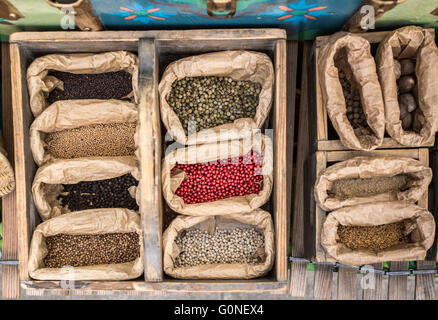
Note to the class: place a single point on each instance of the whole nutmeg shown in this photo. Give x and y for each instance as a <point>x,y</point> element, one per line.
<point>407,121</point>
<point>406,84</point>
<point>397,69</point>
<point>407,67</point>
<point>408,100</point>
<point>403,110</point>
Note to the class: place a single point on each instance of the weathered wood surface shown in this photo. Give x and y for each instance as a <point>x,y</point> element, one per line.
<point>109,36</point>
<point>291,90</point>
<point>347,283</point>
<point>323,282</point>
<point>280,163</point>
<point>91,287</point>
<point>425,283</point>
<point>398,284</point>
<point>10,275</point>
<point>149,137</point>
<point>298,273</point>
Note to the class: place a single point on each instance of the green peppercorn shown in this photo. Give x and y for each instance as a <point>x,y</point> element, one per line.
<point>212,101</point>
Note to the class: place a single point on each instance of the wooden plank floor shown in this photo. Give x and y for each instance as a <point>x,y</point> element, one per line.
<point>343,283</point>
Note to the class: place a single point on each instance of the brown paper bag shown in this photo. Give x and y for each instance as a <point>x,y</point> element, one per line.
<point>419,178</point>
<point>40,84</point>
<point>48,180</point>
<point>94,221</point>
<point>7,178</point>
<point>69,114</point>
<point>213,152</point>
<point>363,68</point>
<point>421,228</point>
<point>403,43</point>
<point>258,218</point>
<point>239,65</point>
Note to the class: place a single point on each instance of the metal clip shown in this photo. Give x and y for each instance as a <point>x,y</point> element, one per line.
<point>324,263</point>
<point>399,273</point>
<point>298,259</point>
<point>10,262</point>
<point>424,271</point>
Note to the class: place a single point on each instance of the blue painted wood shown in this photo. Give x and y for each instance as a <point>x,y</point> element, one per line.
<point>303,19</point>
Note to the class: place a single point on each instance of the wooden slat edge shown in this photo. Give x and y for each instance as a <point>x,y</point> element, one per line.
<point>150,159</point>
<point>10,273</point>
<point>207,34</point>
<point>20,166</point>
<point>280,169</point>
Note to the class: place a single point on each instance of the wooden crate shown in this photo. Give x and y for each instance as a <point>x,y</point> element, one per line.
<point>324,159</point>
<point>326,137</point>
<point>156,49</point>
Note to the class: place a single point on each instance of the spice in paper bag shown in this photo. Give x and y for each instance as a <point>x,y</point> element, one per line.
<point>84,128</point>
<point>371,179</point>
<point>407,64</point>
<point>209,84</point>
<point>67,185</point>
<point>235,246</point>
<point>72,246</point>
<point>377,232</point>
<point>40,84</point>
<point>350,91</point>
<point>224,194</point>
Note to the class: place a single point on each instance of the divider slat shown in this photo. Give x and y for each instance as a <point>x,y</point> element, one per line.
<point>10,273</point>
<point>298,274</point>
<point>323,283</point>
<point>347,283</point>
<point>398,285</point>
<point>424,283</point>
<point>149,134</point>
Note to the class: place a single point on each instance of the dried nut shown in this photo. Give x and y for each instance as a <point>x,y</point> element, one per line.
<point>406,84</point>
<point>397,69</point>
<point>408,100</point>
<point>407,67</point>
<point>407,121</point>
<point>403,110</point>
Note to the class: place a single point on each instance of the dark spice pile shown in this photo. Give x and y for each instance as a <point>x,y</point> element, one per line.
<point>231,177</point>
<point>212,101</point>
<point>109,85</point>
<point>362,187</point>
<point>355,113</point>
<point>375,238</point>
<point>100,140</point>
<point>108,193</point>
<point>406,85</point>
<point>87,250</point>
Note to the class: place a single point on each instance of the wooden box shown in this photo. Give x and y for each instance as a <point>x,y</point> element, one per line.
<point>156,49</point>
<point>326,137</point>
<point>324,159</point>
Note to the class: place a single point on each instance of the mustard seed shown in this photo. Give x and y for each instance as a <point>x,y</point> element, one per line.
<point>100,140</point>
